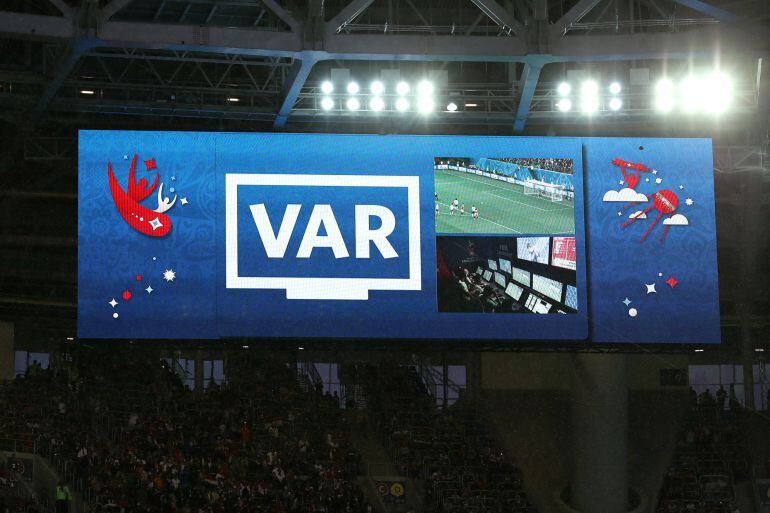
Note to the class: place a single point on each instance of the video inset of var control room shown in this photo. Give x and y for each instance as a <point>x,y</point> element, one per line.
<point>505,238</point>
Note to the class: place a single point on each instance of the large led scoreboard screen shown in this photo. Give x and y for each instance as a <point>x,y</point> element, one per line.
<point>189,235</point>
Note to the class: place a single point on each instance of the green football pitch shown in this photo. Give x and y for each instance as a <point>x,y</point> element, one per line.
<point>503,207</point>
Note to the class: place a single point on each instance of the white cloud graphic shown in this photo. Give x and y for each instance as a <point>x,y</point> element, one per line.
<point>638,215</point>
<point>625,195</point>
<point>676,220</point>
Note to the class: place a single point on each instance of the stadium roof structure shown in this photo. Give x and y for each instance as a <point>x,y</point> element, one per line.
<point>261,61</point>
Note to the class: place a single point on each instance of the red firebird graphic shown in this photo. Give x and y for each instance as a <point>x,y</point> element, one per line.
<point>153,223</point>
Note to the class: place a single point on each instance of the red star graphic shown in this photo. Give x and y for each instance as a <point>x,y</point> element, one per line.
<point>138,277</point>
<point>150,164</point>
<point>672,282</point>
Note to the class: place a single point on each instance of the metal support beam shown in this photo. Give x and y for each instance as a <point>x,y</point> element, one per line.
<point>296,79</point>
<point>710,10</point>
<point>64,67</point>
<point>499,15</point>
<point>348,14</point>
<point>112,8</point>
<point>574,15</point>
<point>65,9</point>
<point>35,26</point>
<point>529,78</point>
<point>283,14</point>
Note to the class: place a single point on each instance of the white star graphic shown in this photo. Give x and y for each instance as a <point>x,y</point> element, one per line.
<point>646,179</point>
<point>169,275</point>
<point>155,223</point>
<point>125,157</point>
<point>681,187</point>
<point>149,289</point>
<point>626,301</point>
<point>620,213</point>
<point>655,171</point>
<point>688,202</point>
<point>183,201</point>
<point>620,182</point>
<point>113,303</point>
<point>650,288</point>
<point>658,180</point>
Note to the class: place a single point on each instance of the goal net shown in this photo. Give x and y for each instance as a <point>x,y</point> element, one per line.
<point>552,192</point>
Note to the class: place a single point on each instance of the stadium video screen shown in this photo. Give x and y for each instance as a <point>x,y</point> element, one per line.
<point>547,287</point>
<point>563,253</point>
<point>533,249</point>
<point>521,276</point>
<point>571,298</point>
<point>514,291</point>
<point>203,235</point>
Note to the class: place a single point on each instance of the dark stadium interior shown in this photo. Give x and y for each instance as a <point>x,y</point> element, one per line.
<point>369,425</point>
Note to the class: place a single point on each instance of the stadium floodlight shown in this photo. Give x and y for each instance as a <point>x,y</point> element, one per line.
<point>615,88</point>
<point>589,88</point>
<point>353,104</point>
<point>425,105</point>
<point>327,103</point>
<point>233,99</point>
<point>376,103</point>
<point>471,105</point>
<point>87,91</point>
<point>589,104</point>
<point>402,104</point>
<point>664,95</point>
<point>402,88</point>
<point>615,104</point>
<point>353,88</point>
<point>451,107</point>
<point>718,92</point>
<point>377,87</point>
<point>564,89</point>
<point>327,87</point>
<point>425,88</point>
<point>564,105</point>
<point>692,94</point>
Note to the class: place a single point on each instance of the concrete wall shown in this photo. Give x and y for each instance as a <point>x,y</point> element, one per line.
<point>552,371</point>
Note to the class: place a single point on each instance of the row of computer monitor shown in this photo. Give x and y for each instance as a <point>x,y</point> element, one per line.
<point>559,292</point>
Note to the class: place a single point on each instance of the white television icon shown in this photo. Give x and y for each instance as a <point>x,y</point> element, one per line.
<point>321,288</point>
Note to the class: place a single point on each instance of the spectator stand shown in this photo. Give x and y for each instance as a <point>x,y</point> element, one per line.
<point>711,455</point>
<point>448,452</point>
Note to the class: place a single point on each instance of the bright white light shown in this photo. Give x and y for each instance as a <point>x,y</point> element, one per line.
<point>718,93</point>
<point>664,95</point>
<point>86,91</point>
<point>564,105</point>
<point>327,87</point>
<point>589,88</point>
<point>377,87</point>
<point>376,104</point>
<point>233,100</point>
<point>353,104</point>
<point>471,104</point>
<point>615,104</point>
<point>451,107</point>
<point>425,88</point>
<point>425,105</point>
<point>564,89</point>
<point>589,104</point>
<point>353,88</point>
<point>615,88</point>
<point>402,104</point>
<point>691,94</point>
<point>402,88</point>
<point>327,104</point>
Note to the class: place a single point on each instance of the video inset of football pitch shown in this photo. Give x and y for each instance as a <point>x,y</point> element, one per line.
<point>503,207</point>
